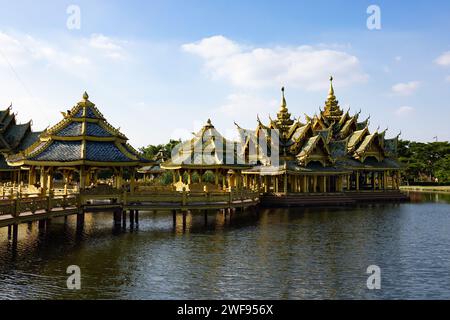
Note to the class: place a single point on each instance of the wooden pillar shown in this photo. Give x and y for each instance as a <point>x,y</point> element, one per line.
<point>43,180</point>
<point>174,177</point>
<point>357,180</point>
<point>124,218</point>
<point>386,177</point>
<point>82,178</point>
<point>216,177</point>
<point>41,224</point>
<point>50,179</point>
<point>266,184</point>
<point>276,184</point>
<point>120,178</point>
<point>397,180</point>
<point>184,220</point>
<point>285,183</point>
<point>9,232</point>
<point>131,217</point>
<point>80,219</point>
<point>15,232</point>
<point>314,184</point>
<point>174,218</point>
<point>224,182</point>
<point>117,218</point>
<point>136,216</point>
<point>32,176</point>
<point>132,180</point>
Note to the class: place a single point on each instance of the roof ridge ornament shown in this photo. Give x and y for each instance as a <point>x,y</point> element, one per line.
<point>283,101</point>
<point>332,109</point>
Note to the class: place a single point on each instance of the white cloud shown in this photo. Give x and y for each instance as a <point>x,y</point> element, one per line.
<point>22,50</point>
<point>443,59</point>
<point>303,66</point>
<point>110,47</point>
<point>403,111</point>
<point>405,89</point>
<point>398,58</point>
<point>246,105</point>
<point>447,78</point>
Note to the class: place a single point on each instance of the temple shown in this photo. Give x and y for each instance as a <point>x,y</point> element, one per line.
<point>77,150</point>
<point>207,161</point>
<point>14,137</point>
<point>329,152</point>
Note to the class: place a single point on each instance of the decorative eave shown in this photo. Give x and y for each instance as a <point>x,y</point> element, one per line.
<point>114,147</point>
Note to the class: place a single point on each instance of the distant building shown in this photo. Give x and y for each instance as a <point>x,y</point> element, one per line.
<point>14,138</point>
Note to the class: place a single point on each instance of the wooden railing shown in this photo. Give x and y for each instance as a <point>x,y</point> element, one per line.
<point>172,197</point>
<point>40,204</point>
<point>34,204</point>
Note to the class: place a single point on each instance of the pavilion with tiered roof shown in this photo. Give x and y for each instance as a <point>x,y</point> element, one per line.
<point>14,137</point>
<point>207,151</point>
<point>79,147</point>
<point>329,152</point>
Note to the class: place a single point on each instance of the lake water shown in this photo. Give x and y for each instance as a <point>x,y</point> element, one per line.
<point>315,253</point>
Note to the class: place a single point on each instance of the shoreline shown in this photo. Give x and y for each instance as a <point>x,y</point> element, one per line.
<point>437,189</point>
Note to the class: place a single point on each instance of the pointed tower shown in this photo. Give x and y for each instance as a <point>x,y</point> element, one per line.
<point>283,116</point>
<point>332,110</point>
<point>283,121</point>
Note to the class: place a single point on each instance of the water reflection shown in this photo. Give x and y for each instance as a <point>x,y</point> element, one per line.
<point>269,254</point>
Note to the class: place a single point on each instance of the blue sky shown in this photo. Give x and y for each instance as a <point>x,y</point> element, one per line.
<point>160,69</point>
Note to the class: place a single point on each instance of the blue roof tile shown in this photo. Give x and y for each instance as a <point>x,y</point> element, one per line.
<point>104,151</point>
<point>72,130</point>
<point>60,151</point>
<point>94,129</point>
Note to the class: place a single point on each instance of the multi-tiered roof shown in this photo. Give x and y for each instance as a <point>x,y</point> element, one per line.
<point>13,136</point>
<point>83,137</point>
<point>334,139</point>
<point>206,150</point>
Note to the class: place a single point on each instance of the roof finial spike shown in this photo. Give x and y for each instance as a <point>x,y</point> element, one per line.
<point>331,92</point>
<point>283,99</point>
<point>85,96</point>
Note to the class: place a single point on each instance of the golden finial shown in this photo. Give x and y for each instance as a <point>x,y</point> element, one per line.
<point>85,96</point>
<point>331,92</point>
<point>283,100</point>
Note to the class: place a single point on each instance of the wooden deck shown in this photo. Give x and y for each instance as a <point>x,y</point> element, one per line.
<point>33,208</point>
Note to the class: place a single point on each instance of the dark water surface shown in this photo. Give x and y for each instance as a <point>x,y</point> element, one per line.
<point>276,254</point>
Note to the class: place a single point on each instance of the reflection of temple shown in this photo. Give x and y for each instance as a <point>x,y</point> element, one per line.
<point>329,152</point>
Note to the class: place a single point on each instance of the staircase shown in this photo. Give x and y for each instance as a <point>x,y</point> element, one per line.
<point>330,199</point>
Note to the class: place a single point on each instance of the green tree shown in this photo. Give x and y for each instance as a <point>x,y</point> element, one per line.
<point>425,161</point>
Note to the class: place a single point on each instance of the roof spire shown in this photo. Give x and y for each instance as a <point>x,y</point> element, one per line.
<point>209,124</point>
<point>332,110</point>
<point>85,96</point>
<point>283,100</point>
<point>331,91</point>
